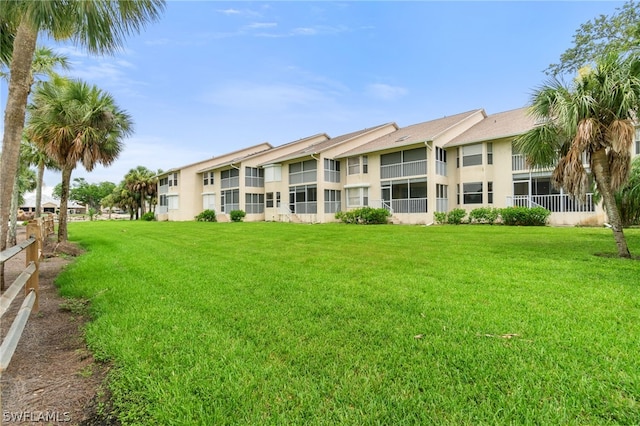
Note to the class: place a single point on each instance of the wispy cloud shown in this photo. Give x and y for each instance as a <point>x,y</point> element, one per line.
<point>385,91</point>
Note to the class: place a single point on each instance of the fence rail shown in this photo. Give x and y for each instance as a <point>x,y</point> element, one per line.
<point>37,230</point>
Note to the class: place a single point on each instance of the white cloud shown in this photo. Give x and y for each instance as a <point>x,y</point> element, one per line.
<point>261,25</point>
<point>385,91</point>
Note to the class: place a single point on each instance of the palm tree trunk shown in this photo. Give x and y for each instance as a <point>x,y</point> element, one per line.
<point>13,215</point>
<point>24,45</point>
<point>602,175</point>
<point>39,189</point>
<point>64,203</point>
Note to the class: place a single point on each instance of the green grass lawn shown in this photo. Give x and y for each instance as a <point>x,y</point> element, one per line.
<point>271,323</point>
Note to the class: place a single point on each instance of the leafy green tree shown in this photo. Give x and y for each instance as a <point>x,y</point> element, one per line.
<point>593,117</point>
<point>604,35</point>
<point>73,123</point>
<point>99,25</point>
<point>89,194</point>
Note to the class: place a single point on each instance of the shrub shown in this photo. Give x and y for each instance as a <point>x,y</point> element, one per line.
<point>484,215</point>
<point>237,215</point>
<point>525,216</point>
<point>207,216</point>
<point>364,216</point>
<point>440,217</point>
<point>455,216</point>
<point>148,216</point>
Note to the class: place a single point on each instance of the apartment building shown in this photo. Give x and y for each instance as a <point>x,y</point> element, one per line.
<point>464,161</point>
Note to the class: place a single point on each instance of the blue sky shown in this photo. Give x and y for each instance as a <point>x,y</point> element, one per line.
<point>211,77</point>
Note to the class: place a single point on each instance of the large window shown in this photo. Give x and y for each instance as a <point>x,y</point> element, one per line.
<point>412,162</point>
<point>331,201</point>
<point>472,155</point>
<point>331,170</point>
<point>254,177</point>
<point>472,193</point>
<point>305,171</point>
<point>229,200</point>
<point>358,197</point>
<point>406,195</point>
<point>254,203</point>
<point>172,202</point>
<point>207,178</point>
<point>441,161</point>
<point>353,165</point>
<point>163,181</point>
<point>230,178</point>
<point>303,199</point>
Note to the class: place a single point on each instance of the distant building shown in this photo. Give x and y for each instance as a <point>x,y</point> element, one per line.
<point>50,205</point>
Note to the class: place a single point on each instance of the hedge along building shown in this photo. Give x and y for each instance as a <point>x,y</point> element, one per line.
<point>464,161</point>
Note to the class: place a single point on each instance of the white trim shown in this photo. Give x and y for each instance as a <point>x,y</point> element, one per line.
<point>357,185</point>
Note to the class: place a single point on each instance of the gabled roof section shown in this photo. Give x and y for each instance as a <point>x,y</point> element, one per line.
<point>316,148</point>
<point>496,126</point>
<point>237,156</point>
<point>410,135</point>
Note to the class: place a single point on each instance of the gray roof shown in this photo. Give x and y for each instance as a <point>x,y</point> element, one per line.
<point>319,147</point>
<point>496,126</point>
<point>416,133</point>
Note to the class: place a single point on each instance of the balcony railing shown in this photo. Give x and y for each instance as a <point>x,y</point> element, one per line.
<point>308,207</point>
<point>518,162</point>
<point>409,205</point>
<point>442,204</point>
<point>441,168</point>
<point>233,182</point>
<point>412,168</point>
<point>556,203</point>
<point>332,206</point>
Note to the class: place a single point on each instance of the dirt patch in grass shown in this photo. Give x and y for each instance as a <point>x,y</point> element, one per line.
<point>52,377</point>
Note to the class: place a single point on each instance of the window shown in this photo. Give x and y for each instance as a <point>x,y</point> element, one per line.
<point>406,195</point>
<point>207,178</point>
<point>490,192</point>
<point>442,200</point>
<point>331,170</point>
<point>472,193</point>
<point>458,194</point>
<point>472,155</point>
<point>230,200</point>
<point>172,202</point>
<point>254,203</point>
<point>303,199</point>
<point>305,171</point>
<point>411,162</point>
<point>490,153</point>
<point>254,177</point>
<point>441,161</point>
<point>269,199</point>
<point>277,199</point>
<point>230,178</point>
<point>163,201</point>
<point>164,181</point>
<point>365,164</point>
<point>331,201</point>
<point>273,173</point>
<point>208,201</point>
<point>353,165</point>
<point>358,197</point>
<point>173,179</point>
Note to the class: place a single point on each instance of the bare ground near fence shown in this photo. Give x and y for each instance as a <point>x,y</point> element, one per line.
<point>52,375</point>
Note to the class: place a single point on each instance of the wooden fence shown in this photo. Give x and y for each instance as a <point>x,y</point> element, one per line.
<point>37,231</point>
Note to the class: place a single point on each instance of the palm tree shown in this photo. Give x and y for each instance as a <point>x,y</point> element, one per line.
<point>99,25</point>
<point>595,116</point>
<point>36,157</point>
<point>141,181</point>
<point>74,122</point>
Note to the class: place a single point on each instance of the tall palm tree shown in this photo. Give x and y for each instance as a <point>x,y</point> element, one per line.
<point>595,116</point>
<point>36,157</point>
<point>73,123</point>
<point>99,25</point>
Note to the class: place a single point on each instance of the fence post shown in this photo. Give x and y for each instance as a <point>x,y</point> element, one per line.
<point>33,255</point>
